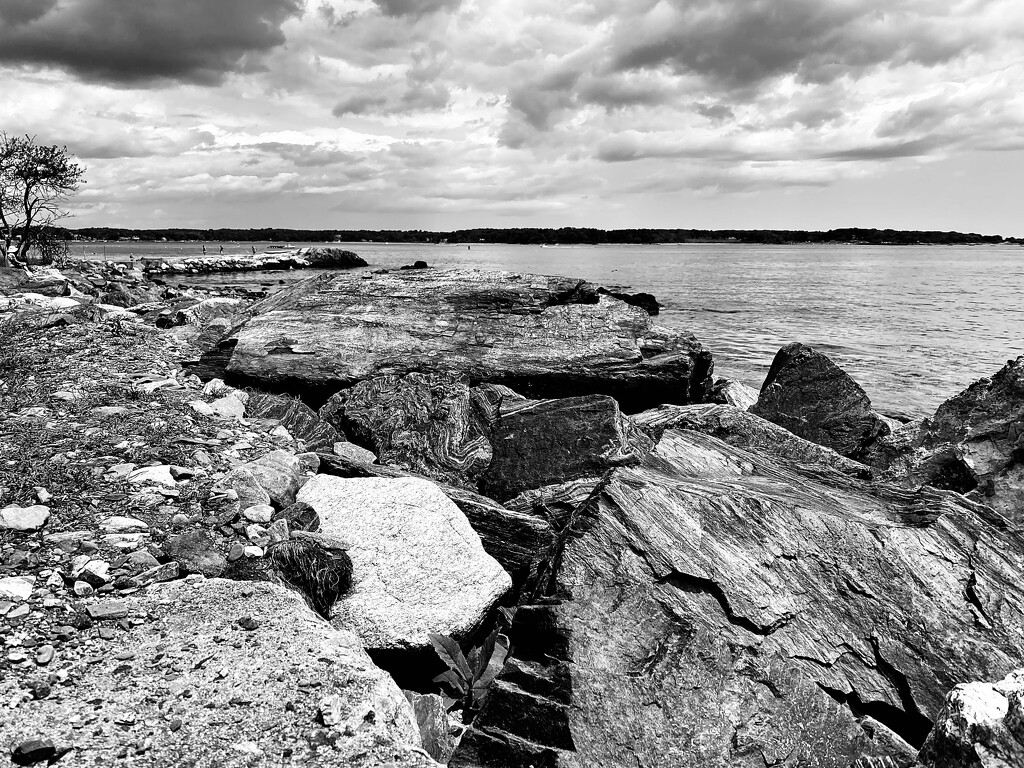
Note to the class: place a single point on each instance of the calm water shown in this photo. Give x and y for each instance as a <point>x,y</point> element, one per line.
<point>914,325</point>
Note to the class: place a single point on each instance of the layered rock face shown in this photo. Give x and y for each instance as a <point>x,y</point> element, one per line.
<point>424,423</point>
<point>542,336</point>
<point>192,685</point>
<point>975,442</point>
<point>716,607</point>
<point>813,398</point>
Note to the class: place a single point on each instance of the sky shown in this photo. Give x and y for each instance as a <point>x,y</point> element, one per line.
<point>448,114</point>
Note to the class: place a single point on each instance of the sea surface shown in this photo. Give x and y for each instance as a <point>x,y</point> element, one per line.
<point>913,325</point>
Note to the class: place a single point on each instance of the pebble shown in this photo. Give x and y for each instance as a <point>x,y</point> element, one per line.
<point>252,551</point>
<point>165,572</point>
<point>180,520</point>
<point>108,609</point>
<point>248,623</point>
<point>236,551</point>
<point>18,613</point>
<point>34,751</point>
<point>44,655</point>
<point>120,524</point>
<point>258,513</point>
<point>83,589</point>
<point>143,559</point>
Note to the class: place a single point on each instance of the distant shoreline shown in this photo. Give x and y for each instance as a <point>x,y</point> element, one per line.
<point>532,236</point>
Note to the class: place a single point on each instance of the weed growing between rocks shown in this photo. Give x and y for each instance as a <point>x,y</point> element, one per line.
<point>319,572</point>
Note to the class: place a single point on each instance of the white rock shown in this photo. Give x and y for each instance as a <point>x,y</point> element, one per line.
<point>25,519</point>
<point>202,408</point>
<point>63,302</point>
<point>418,566</point>
<point>16,588</point>
<point>258,513</point>
<point>158,475</point>
<point>118,524</point>
<point>252,551</point>
<point>230,406</point>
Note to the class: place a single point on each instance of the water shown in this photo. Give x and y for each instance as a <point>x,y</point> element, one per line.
<point>914,325</point>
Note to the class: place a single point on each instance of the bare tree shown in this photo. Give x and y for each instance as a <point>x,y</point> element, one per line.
<point>35,183</point>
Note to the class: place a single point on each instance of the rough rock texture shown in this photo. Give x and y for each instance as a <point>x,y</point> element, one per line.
<point>196,552</point>
<point>435,729</point>
<point>277,473</point>
<point>975,442</point>
<point>980,726</point>
<point>294,415</point>
<point>813,398</point>
<point>726,392</point>
<point>745,430</point>
<point>206,311</point>
<point>425,423</point>
<point>714,607</point>
<point>189,686</point>
<point>542,336</point>
<point>519,541</point>
<point>543,442</point>
<point>418,566</point>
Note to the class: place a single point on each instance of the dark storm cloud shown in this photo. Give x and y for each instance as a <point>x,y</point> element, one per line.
<point>415,7</point>
<point>738,44</point>
<point>15,12</point>
<point>136,42</point>
<point>360,104</point>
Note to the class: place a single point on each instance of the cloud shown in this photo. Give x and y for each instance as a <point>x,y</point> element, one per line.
<point>128,42</point>
<point>415,7</point>
<point>17,12</point>
<point>740,44</point>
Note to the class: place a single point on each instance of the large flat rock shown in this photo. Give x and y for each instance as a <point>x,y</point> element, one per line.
<point>715,607</point>
<point>417,564</point>
<point>543,336</point>
<point>189,686</point>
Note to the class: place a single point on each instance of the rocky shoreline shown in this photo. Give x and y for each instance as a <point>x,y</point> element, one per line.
<point>484,519</point>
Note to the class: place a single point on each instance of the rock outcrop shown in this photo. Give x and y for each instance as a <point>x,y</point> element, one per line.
<point>224,673</point>
<point>294,415</point>
<point>543,336</point>
<point>423,422</point>
<point>417,565</point>
<point>545,442</point>
<point>297,258</point>
<point>736,610</point>
<point>975,442</point>
<point>813,398</point>
<point>980,726</point>
<point>745,430</point>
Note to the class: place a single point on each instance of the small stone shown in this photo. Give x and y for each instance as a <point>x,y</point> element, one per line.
<point>258,513</point>
<point>16,588</point>
<point>24,519</point>
<point>253,551</point>
<point>18,613</point>
<point>121,524</point>
<point>248,623</point>
<point>354,453</point>
<point>43,495</point>
<point>174,726</point>
<point>160,573</point>
<point>309,463</point>
<point>40,689</point>
<point>143,559</point>
<point>95,572</point>
<point>34,751</point>
<point>158,475</point>
<point>180,521</point>
<point>44,655</point>
<point>236,552</point>
<point>108,609</point>
<point>107,633</point>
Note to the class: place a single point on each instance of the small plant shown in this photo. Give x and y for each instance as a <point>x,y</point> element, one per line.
<point>467,680</point>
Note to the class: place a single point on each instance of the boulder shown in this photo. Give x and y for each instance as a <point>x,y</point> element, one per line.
<point>543,336</point>
<point>225,673</point>
<point>745,430</point>
<point>520,541</point>
<point>545,442</point>
<point>418,567</point>
<point>975,441</point>
<point>294,415</point>
<point>727,392</point>
<point>980,726</point>
<point>815,399</point>
<point>712,606</point>
<point>435,729</point>
<point>423,422</point>
<point>246,486</point>
<point>326,257</point>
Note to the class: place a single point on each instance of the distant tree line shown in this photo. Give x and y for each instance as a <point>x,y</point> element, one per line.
<point>535,236</point>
